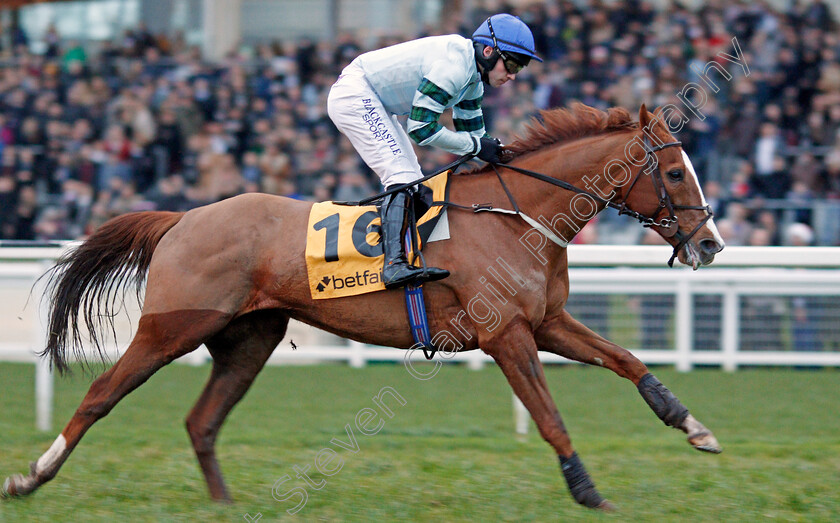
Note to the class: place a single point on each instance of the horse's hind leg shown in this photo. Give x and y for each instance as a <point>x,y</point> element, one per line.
<point>239,353</point>
<point>160,339</point>
<point>567,337</point>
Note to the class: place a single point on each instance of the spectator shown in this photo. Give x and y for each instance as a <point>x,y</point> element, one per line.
<point>799,235</point>
<point>767,148</point>
<point>801,197</point>
<point>736,225</point>
<point>807,171</point>
<point>767,221</point>
<point>170,140</point>
<point>760,237</point>
<point>352,187</point>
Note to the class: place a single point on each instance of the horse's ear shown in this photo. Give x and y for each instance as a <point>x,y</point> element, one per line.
<point>644,117</point>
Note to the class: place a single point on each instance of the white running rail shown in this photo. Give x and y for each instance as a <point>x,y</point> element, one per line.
<point>601,276</point>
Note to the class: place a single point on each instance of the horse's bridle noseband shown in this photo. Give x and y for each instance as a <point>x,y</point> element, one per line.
<point>668,226</point>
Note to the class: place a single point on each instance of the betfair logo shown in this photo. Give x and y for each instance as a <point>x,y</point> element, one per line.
<point>356,280</point>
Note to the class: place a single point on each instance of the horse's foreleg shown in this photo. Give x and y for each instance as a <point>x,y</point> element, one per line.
<point>159,340</point>
<point>239,353</point>
<point>516,354</point>
<point>567,337</point>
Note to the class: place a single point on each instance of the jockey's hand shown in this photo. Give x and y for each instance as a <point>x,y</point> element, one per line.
<point>490,150</point>
<point>506,155</point>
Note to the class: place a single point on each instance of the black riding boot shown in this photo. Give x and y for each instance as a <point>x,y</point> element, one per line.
<point>397,272</point>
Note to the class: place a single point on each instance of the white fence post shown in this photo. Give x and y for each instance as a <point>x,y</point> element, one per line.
<point>685,325</point>
<point>520,416</point>
<point>43,374</point>
<point>729,329</point>
<point>43,395</point>
<point>475,359</point>
<point>357,354</point>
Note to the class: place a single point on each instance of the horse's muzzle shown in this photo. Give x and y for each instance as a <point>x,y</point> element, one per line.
<point>707,248</point>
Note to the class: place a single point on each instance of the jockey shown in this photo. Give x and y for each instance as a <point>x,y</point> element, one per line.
<point>421,78</point>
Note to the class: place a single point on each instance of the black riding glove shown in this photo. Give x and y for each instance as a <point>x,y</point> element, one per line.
<point>490,150</point>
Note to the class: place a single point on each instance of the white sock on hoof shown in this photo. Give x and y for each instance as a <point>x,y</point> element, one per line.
<point>52,455</point>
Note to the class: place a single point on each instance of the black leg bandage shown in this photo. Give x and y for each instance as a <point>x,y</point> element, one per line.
<point>662,401</point>
<point>580,485</point>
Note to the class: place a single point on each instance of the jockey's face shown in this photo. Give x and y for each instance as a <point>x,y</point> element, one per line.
<point>498,75</point>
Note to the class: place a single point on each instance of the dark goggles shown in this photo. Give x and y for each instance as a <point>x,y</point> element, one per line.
<point>511,66</point>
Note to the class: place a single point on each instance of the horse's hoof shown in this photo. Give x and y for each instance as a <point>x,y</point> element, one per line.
<point>18,485</point>
<point>9,488</point>
<point>706,442</point>
<point>606,506</point>
<point>699,436</point>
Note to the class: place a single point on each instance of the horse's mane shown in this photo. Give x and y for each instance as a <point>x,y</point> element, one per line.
<point>562,125</point>
<point>559,125</point>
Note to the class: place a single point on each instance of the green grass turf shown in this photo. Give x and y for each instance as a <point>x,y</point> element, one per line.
<point>449,454</point>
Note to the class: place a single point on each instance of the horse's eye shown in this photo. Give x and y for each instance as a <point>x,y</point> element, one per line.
<point>675,174</point>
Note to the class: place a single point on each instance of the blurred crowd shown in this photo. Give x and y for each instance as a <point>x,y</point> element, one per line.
<point>143,122</point>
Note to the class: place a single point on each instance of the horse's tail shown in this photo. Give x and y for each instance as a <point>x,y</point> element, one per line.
<point>87,281</point>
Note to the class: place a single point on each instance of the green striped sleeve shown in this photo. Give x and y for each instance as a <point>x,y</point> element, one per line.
<point>434,92</point>
<point>472,124</point>
<point>422,133</point>
<point>470,105</point>
<point>421,114</point>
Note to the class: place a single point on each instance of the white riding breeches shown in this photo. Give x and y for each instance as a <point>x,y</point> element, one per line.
<point>378,137</point>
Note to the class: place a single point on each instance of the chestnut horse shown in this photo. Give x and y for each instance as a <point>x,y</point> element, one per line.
<point>230,275</point>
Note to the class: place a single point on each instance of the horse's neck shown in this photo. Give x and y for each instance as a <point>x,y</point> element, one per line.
<point>580,163</point>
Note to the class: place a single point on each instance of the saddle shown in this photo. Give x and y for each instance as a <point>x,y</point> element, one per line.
<point>344,255</point>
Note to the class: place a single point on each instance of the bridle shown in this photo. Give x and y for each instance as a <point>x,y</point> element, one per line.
<point>668,225</point>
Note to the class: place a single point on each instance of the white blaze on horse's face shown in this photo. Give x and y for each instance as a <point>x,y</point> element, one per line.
<point>699,246</point>
<point>711,223</point>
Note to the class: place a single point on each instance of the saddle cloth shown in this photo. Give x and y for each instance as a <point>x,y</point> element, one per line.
<point>344,255</point>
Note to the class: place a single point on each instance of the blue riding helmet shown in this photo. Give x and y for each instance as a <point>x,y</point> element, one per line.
<point>507,34</point>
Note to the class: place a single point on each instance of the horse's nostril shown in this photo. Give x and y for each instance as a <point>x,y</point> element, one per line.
<point>710,246</point>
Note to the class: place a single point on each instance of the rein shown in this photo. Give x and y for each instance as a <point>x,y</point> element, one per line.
<point>668,224</point>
